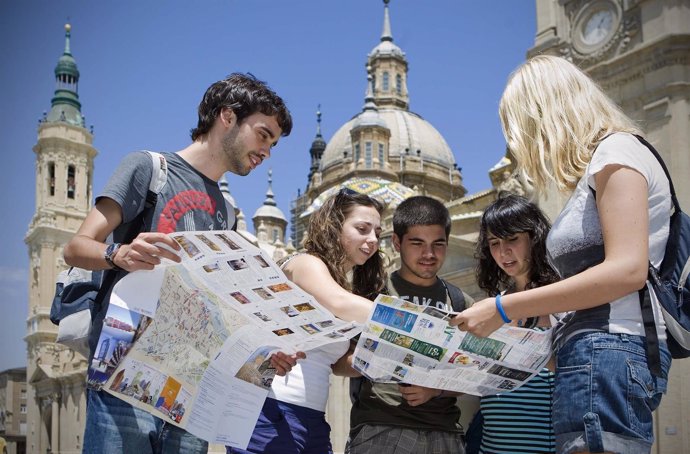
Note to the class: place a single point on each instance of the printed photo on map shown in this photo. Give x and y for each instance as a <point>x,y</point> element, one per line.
<point>263,317</point>
<point>263,263</point>
<point>263,293</point>
<point>117,336</point>
<point>211,245</point>
<point>240,297</point>
<point>189,247</point>
<point>290,311</point>
<point>310,328</point>
<point>179,407</point>
<point>282,287</point>
<point>238,264</point>
<point>303,307</point>
<point>228,242</point>
<point>325,324</point>
<point>257,369</point>
<point>168,395</point>
<point>138,381</point>
<point>211,267</point>
<point>283,331</point>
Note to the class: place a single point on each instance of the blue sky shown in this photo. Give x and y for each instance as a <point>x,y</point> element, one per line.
<point>145,65</point>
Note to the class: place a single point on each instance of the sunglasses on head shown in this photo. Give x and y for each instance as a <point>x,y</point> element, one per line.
<point>348,191</point>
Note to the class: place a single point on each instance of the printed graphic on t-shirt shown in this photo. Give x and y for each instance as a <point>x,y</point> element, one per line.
<point>185,209</point>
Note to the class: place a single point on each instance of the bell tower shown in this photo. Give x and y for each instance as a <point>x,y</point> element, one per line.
<point>64,172</point>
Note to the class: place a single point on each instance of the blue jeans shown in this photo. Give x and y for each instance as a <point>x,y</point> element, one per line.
<point>285,428</point>
<point>115,427</point>
<point>605,394</point>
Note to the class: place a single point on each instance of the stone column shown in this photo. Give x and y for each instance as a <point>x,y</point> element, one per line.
<point>55,424</point>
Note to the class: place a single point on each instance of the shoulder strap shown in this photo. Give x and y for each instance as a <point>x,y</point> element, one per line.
<point>457,298</point>
<point>160,172</point>
<point>674,199</point>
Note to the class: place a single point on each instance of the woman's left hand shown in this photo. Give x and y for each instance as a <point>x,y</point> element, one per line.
<point>481,319</point>
<point>283,363</point>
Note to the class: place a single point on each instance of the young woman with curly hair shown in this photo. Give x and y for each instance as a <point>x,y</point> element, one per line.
<point>342,269</point>
<point>511,254</point>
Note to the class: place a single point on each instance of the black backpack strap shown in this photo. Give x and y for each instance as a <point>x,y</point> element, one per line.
<point>651,339</point>
<point>457,298</point>
<point>674,199</point>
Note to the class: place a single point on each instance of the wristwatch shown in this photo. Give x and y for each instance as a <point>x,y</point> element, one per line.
<point>110,252</point>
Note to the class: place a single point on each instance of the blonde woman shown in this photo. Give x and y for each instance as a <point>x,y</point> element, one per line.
<point>341,268</point>
<point>564,130</point>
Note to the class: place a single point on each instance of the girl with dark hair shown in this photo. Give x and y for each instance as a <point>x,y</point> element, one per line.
<point>341,267</point>
<point>511,253</point>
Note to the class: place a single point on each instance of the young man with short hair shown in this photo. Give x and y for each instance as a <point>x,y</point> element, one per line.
<point>240,120</point>
<point>396,419</point>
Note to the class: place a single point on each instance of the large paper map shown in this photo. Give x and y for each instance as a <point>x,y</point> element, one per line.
<point>190,342</point>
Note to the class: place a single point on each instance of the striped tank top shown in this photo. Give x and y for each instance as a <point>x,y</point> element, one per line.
<point>519,421</point>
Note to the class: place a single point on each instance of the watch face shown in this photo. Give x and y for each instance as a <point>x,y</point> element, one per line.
<point>597,27</point>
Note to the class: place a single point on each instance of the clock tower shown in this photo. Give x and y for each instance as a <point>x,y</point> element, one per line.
<point>639,53</point>
<point>56,402</point>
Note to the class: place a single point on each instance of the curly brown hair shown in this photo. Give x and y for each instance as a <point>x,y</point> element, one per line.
<point>323,241</point>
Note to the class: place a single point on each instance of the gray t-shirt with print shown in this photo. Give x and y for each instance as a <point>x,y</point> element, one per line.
<point>189,201</point>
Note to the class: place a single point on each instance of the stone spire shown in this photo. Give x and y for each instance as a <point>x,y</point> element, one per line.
<point>65,105</point>
<point>318,146</point>
<point>386,35</point>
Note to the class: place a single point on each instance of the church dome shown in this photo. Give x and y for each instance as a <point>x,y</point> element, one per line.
<point>408,130</point>
<point>269,211</point>
<point>386,48</point>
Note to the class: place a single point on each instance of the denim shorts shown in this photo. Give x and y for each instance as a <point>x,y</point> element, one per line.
<point>605,394</point>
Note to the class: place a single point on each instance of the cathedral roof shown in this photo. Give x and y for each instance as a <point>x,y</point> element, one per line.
<point>409,133</point>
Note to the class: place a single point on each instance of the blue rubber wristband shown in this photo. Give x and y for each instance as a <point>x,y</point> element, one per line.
<point>500,310</point>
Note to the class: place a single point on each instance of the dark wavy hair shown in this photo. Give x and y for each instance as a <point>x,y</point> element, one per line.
<point>508,215</point>
<point>323,241</point>
<point>245,95</point>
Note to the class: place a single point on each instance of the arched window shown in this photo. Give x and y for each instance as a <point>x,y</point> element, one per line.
<point>51,178</point>
<point>385,81</point>
<point>381,155</point>
<point>398,84</point>
<point>356,153</point>
<point>367,155</point>
<point>70,182</point>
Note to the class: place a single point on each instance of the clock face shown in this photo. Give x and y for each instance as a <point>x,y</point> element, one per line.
<point>597,27</point>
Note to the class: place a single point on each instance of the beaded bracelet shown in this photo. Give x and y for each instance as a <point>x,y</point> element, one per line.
<point>500,310</point>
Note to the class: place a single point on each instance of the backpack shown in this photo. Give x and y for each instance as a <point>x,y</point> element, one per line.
<point>670,284</point>
<point>79,293</point>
